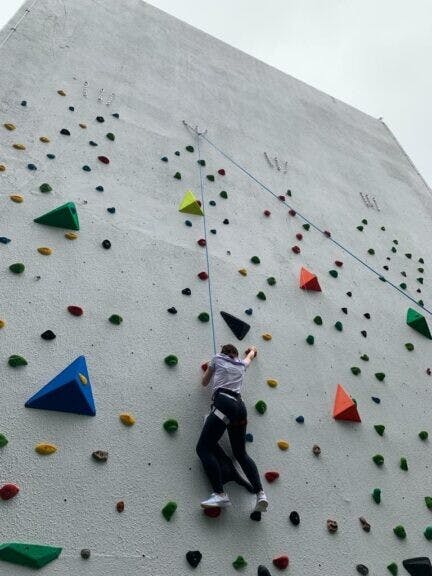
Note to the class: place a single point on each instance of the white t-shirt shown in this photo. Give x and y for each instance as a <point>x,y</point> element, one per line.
<point>227,373</point>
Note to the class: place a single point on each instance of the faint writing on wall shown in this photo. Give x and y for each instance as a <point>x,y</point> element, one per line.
<point>276,163</point>
<point>369,202</point>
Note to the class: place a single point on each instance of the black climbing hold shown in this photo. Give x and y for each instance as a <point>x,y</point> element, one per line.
<point>248,311</point>
<point>300,419</point>
<point>86,168</point>
<point>201,162</point>
<point>92,143</point>
<point>190,148</point>
<point>106,244</point>
<point>51,156</point>
<point>116,115</point>
<point>420,566</point>
<point>193,557</point>
<point>23,102</point>
<point>100,119</point>
<point>32,166</point>
<point>172,310</point>
<point>188,223</point>
<point>85,553</point>
<point>226,221</point>
<point>263,571</point>
<point>177,153</point>
<point>99,188</point>
<point>65,132</point>
<point>349,294</point>
<point>367,315</point>
<point>362,569</point>
<point>111,210</point>
<point>212,203</point>
<point>249,437</point>
<point>4,240</point>
<point>177,176</point>
<point>255,515</point>
<point>238,327</point>
<point>164,159</point>
<point>294,518</point>
<point>48,335</point>
<point>71,108</point>
<point>376,399</point>
<point>210,177</point>
<point>363,333</point>
<point>344,310</point>
<point>186,291</point>
<point>213,231</point>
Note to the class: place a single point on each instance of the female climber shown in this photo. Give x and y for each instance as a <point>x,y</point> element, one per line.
<point>228,411</point>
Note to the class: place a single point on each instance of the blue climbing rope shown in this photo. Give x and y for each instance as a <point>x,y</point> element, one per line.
<point>206,245</point>
<point>346,250</point>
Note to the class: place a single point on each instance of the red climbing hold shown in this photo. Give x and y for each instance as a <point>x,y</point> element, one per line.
<point>281,562</point>
<point>267,213</point>
<point>8,491</point>
<point>327,233</point>
<point>296,249</point>
<point>338,263</point>
<point>344,407</point>
<point>212,512</point>
<point>201,242</point>
<point>76,310</point>
<point>271,476</point>
<point>203,275</point>
<point>103,159</point>
<point>282,198</point>
<point>309,281</point>
<point>204,366</point>
<point>299,236</point>
<point>292,212</point>
<point>221,171</point>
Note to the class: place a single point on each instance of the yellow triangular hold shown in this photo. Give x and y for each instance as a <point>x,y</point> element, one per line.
<point>190,204</point>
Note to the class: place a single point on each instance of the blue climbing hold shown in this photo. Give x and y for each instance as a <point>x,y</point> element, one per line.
<point>4,240</point>
<point>249,437</point>
<point>300,419</point>
<point>375,399</point>
<point>212,203</point>
<point>69,391</point>
<point>248,311</point>
<point>116,115</point>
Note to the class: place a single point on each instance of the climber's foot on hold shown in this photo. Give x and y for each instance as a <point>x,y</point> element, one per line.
<point>216,501</point>
<point>261,502</point>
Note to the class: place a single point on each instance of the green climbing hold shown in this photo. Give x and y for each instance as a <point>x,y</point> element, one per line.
<point>364,357</point>
<point>428,502</point>
<point>338,326</point>
<point>400,532</point>
<point>115,319</point>
<point>3,440</point>
<point>395,241</point>
<point>15,360</point>
<point>409,346</point>
<point>403,464</point>
<point>261,407</point>
<point>171,425</point>
<point>45,188</point>
<point>190,148</point>
<point>169,509</point>
<point>380,429</point>
<point>177,176</point>
<point>333,273</point>
<point>393,568</point>
<point>428,533</point>
<point>408,255</point>
<point>419,280</point>
<point>223,194</point>
<point>31,555</point>
<point>171,360</point>
<point>355,370</point>
<point>210,177</point>
<point>318,320</point>
<point>380,376</point>
<point>306,226</point>
<point>403,285</point>
<point>420,303</point>
<point>110,136</point>
<point>65,216</point>
<point>310,339</point>
<point>17,268</point>
<point>393,250</point>
<point>383,228</point>
<point>364,221</point>
<point>376,495</point>
<point>360,228</point>
<point>203,317</point>
<point>255,260</point>
<point>371,251</point>
<point>239,563</point>
<point>201,162</point>
<point>423,435</point>
<point>261,295</point>
<point>271,281</point>
<point>378,459</point>
<point>418,322</point>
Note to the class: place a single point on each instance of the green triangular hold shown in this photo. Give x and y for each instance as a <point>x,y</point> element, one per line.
<point>32,555</point>
<point>65,216</point>
<point>190,205</point>
<point>418,322</point>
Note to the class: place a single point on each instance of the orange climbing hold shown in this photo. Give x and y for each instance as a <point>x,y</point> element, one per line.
<point>344,407</point>
<point>17,198</point>
<point>267,336</point>
<point>45,250</point>
<point>309,281</point>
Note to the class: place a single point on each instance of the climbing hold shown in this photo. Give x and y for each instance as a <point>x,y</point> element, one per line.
<point>362,569</point>
<point>272,382</point>
<point>379,428</point>
<point>261,295</point>
<point>318,320</point>
<point>249,311</point>
<point>106,244</point>
<point>403,286</point>
<point>2,323</point>
<point>171,360</point>
<point>65,392</point>
<point>64,216</point>
<point>294,518</point>
<point>338,326</point>
<point>3,441</point>
<point>237,326</point>
<point>360,228</point>
<point>296,249</point>
<point>164,159</point>
<point>100,455</point>
<point>363,333</point>
<point>44,139</point>
<point>18,146</point>
<point>355,370</point>
<point>349,294</point>
<point>186,291</point>
<point>255,260</point>
<point>418,322</point>
<point>4,240</point>
<point>212,512</point>
<point>201,242</point>
<point>9,126</point>
<point>201,162</point>
<point>400,532</point>
<point>202,275</point>
<point>239,563</point>
<point>365,524</point>
<point>409,346</point>
<point>403,464</point>
<point>267,213</point>
<point>168,510</point>
<point>61,92</point>
<point>271,476</point>
<point>103,159</point>
<point>243,271</point>
<point>170,425</point>
<point>71,235</point>
<point>364,357</point>
<point>300,419</point>
<point>44,250</point>
<point>100,119</point>
<point>378,459</point>
<point>338,263</point>
<point>44,448</point>
<point>332,526</point>
<point>310,339</point>
<point>428,502</point>
<point>45,188</point>
<point>188,223</point>
<point>75,310</point>
<point>393,568</point>
<point>221,172</point>
<point>271,281</point>
<point>110,136</point>
<point>17,198</point>
<point>86,168</point>
<point>316,450</point>
<point>418,566</point>
<point>172,310</point>
<point>423,435</point>
<point>283,444</point>
<point>266,336</point>
<point>177,176</point>
<point>249,437</point>
<point>127,419</point>
<point>371,251</point>
<point>115,319</point>
<point>92,143</point>
<point>15,361</point>
<point>226,221</point>
<point>193,558</point>
<point>212,203</point>
<point>8,491</point>
<point>327,233</point>
<point>376,495</point>
<point>333,273</point>
<point>380,376</point>
<point>223,194</point>
<point>190,205</point>
<point>210,177</point>
<point>65,132</point>
<point>261,407</point>
<point>120,506</point>
<point>409,256</point>
<point>31,555</point>
<point>309,281</point>
<point>17,268</point>
<point>2,168</point>
<point>344,407</point>
<point>281,562</point>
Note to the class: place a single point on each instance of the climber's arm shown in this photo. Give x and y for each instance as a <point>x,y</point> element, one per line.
<point>207,376</point>
<point>250,355</point>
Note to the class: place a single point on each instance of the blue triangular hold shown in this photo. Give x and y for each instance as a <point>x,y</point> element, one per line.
<point>69,391</point>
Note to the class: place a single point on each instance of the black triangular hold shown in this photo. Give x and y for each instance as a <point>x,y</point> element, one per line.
<point>238,327</point>
<point>418,566</point>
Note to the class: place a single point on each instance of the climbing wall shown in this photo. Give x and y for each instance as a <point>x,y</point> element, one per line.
<point>151,178</point>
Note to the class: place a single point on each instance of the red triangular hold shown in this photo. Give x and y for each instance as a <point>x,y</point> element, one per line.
<point>344,407</point>
<point>309,281</point>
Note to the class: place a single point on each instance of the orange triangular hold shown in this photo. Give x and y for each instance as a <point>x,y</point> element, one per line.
<point>344,407</point>
<point>309,281</point>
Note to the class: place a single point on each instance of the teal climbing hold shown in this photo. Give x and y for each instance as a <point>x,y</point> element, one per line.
<point>171,425</point>
<point>3,441</point>
<point>376,495</point>
<point>400,532</point>
<point>203,317</point>
<point>378,459</point>
<point>223,194</point>
<point>190,148</point>
<point>16,360</point>
<point>201,162</point>
<point>115,319</point>
<point>310,339</point>
<point>255,260</point>
<point>428,502</point>
<point>210,177</point>
<point>69,391</point>
<point>393,250</point>
<point>17,268</point>
<point>333,273</point>
<point>364,221</point>
<point>338,326</point>
<point>423,435</point>
<point>65,216</point>
<point>418,322</point>
<point>380,376</point>
<point>360,228</point>
<point>171,360</point>
<point>355,370</point>
<point>428,533</point>
<point>169,509</point>
<point>306,226</point>
<point>371,251</point>
<point>239,563</point>
<point>271,281</point>
<point>261,295</point>
<point>403,285</point>
<point>403,464</point>
<point>409,346</point>
<point>110,136</point>
<point>364,357</point>
<point>379,429</point>
<point>318,320</point>
<point>31,555</point>
<point>261,407</point>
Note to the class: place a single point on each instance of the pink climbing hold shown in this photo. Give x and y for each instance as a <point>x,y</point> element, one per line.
<point>8,491</point>
<point>103,159</point>
<point>281,562</point>
<point>267,213</point>
<point>212,512</point>
<point>296,249</point>
<point>292,212</point>
<point>299,236</point>
<point>75,310</point>
<point>201,242</point>
<point>221,171</point>
<point>338,263</point>
<point>271,476</point>
<point>202,275</point>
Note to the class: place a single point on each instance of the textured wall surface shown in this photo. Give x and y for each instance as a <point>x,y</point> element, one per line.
<point>161,71</point>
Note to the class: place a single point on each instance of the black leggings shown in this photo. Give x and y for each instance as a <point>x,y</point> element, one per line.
<point>214,428</point>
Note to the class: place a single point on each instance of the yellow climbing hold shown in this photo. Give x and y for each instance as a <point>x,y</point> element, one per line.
<point>9,126</point>
<point>266,336</point>
<point>243,271</point>
<point>2,167</point>
<point>71,235</point>
<point>61,92</point>
<point>127,419</point>
<point>82,378</point>
<point>2,323</point>
<point>272,382</point>
<point>45,250</point>
<point>17,198</point>
<point>283,444</point>
<point>44,448</point>
<point>44,139</point>
<point>83,125</point>
<point>19,146</point>
<point>190,204</point>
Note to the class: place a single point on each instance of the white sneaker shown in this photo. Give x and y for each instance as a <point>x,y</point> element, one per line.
<point>261,502</point>
<point>216,501</point>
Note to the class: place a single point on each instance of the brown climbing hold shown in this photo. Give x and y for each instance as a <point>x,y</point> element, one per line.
<point>84,126</point>
<point>71,235</point>
<point>299,236</point>
<point>338,263</point>
<point>365,524</point>
<point>45,250</point>
<point>316,449</point>
<point>267,336</point>
<point>9,126</point>
<point>18,146</point>
<point>243,271</point>
<point>327,233</point>
<point>17,198</point>
<point>44,139</point>
<point>2,167</point>
<point>103,159</point>
<point>202,275</point>
<point>332,526</point>
<point>61,92</point>
<point>296,249</point>
<point>120,506</point>
<point>267,213</point>
<point>100,455</point>
<point>2,323</point>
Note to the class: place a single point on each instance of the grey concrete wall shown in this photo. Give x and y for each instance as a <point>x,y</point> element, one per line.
<point>162,72</point>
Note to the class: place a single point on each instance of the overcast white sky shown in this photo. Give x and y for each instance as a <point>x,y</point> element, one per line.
<point>373,54</point>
